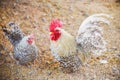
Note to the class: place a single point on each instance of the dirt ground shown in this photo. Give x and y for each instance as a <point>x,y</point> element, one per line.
<point>34,16</point>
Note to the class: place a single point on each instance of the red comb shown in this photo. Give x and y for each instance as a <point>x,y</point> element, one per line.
<point>55,23</point>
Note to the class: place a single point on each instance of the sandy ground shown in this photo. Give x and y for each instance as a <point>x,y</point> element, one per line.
<point>34,16</point>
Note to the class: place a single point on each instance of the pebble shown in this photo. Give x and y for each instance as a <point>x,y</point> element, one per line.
<point>44,20</point>
<point>116,70</point>
<point>103,61</point>
<point>49,73</point>
<point>14,5</point>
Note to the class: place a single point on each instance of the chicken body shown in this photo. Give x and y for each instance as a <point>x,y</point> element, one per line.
<point>64,51</point>
<point>24,52</point>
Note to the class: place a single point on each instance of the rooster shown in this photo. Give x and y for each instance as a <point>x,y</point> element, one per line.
<point>25,50</point>
<point>65,48</point>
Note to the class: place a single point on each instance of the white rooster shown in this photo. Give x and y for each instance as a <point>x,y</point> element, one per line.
<point>65,48</point>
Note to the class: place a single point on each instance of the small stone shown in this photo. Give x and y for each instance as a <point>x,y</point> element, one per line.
<point>26,17</point>
<point>49,73</point>
<point>85,14</point>
<point>43,19</point>
<point>103,61</point>
<point>14,5</point>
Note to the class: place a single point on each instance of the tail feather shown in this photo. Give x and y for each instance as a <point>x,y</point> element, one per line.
<point>15,35</point>
<point>15,28</point>
<point>5,31</point>
<point>89,39</point>
<point>94,20</point>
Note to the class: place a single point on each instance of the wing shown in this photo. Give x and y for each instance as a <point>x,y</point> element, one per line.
<point>25,54</point>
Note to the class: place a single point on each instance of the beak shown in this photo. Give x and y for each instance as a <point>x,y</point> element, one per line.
<point>51,33</point>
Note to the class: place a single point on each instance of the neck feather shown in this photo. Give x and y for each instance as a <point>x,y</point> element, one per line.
<point>65,46</point>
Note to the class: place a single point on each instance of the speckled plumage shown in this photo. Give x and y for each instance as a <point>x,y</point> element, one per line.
<point>89,40</point>
<point>14,34</point>
<point>70,63</point>
<point>23,51</point>
<point>64,50</point>
<point>90,34</point>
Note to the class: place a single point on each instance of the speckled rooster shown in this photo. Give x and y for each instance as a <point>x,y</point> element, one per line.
<point>65,48</point>
<point>25,50</point>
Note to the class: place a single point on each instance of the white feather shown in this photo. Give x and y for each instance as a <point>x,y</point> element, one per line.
<point>65,46</point>
<point>90,34</point>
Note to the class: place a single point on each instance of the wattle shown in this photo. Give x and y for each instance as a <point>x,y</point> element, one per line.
<point>55,36</point>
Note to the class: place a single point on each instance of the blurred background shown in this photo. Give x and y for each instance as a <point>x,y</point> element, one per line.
<point>34,16</point>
